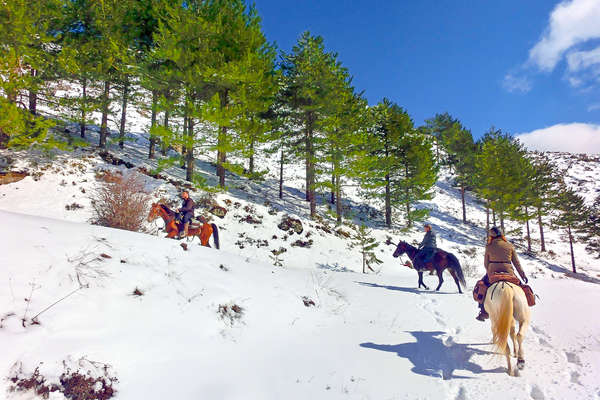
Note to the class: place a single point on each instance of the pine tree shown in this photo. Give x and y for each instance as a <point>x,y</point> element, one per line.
<point>310,76</point>
<point>343,128</point>
<point>572,216</point>
<point>544,178</point>
<point>399,165</point>
<point>592,235</point>
<point>500,177</point>
<point>26,54</point>
<point>366,245</point>
<point>437,127</point>
<point>182,50</point>
<point>461,150</point>
<point>241,73</point>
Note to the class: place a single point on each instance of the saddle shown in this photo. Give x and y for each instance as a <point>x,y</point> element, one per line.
<point>481,287</point>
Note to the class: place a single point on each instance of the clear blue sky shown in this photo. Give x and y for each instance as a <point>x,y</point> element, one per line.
<point>469,58</point>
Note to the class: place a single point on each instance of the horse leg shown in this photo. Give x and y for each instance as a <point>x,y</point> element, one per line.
<point>421,283</point>
<point>520,335</point>
<point>440,278</point>
<point>509,365</point>
<point>453,274</point>
<point>513,337</point>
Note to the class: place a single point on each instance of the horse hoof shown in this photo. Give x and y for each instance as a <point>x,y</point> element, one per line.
<point>520,364</point>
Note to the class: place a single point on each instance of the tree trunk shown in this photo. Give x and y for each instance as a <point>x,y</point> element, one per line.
<point>189,154</point>
<point>494,217</point>
<point>163,145</point>
<point>281,176</point>
<point>338,199</point>
<point>83,108</point>
<point>310,172</point>
<point>33,95</point>
<point>408,218</point>
<point>363,260</point>
<point>528,231</point>
<point>184,145</point>
<point>105,107</point>
<point>502,222</point>
<point>464,207</point>
<point>487,216</point>
<point>541,230</point>
<point>332,200</point>
<point>222,137</point>
<point>123,113</point>
<point>251,158</point>
<point>307,183</point>
<point>311,187</point>
<point>388,202</point>
<point>151,147</point>
<point>571,246</point>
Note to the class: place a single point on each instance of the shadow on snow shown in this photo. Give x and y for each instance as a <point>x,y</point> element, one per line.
<point>402,289</point>
<point>431,356</point>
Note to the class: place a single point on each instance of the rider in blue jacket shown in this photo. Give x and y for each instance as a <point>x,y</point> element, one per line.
<point>426,248</point>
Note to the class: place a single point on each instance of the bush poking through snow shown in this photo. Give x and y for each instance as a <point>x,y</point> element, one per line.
<point>308,301</point>
<point>74,385</point>
<point>290,224</point>
<point>72,207</point>
<point>121,202</point>
<point>230,313</point>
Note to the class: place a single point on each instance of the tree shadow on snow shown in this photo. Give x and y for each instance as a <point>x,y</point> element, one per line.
<point>402,289</point>
<point>431,356</point>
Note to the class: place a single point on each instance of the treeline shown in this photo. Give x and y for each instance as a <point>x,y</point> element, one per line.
<point>211,83</point>
<point>514,183</point>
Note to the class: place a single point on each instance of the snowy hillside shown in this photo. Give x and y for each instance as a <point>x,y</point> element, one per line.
<point>229,324</point>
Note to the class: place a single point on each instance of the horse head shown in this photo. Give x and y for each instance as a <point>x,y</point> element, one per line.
<point>402,248</point>
<point>154,212</point>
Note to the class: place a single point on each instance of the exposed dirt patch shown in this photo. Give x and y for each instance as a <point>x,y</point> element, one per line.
<point>12,176</point>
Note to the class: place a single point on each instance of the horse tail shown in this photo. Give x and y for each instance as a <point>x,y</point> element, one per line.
<point>504,319</point>
<point>456,267</point>
<point>215,235</point>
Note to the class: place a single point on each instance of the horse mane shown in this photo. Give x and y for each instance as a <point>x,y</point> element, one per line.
<point>166,209</point>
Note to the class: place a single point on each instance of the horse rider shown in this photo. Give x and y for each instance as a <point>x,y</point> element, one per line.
<point>499,255</point>
<point>426,248</point>
<point>186,213</point>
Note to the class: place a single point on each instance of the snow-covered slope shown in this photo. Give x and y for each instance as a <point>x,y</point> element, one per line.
<point>368,336</point>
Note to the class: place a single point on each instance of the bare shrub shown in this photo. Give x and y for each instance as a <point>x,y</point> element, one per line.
<point>94,383</point>
<point>230,313</point>
<point>121,201</point>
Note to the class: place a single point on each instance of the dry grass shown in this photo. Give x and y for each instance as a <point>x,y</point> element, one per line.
<point>121,201</point>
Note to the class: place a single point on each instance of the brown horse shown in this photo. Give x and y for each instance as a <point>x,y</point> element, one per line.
<point>173,226</point>
<point>441,260</point>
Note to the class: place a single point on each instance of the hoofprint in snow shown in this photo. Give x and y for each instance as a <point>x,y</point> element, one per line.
<point>370,336</point>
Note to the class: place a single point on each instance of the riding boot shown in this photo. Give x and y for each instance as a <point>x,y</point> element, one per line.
<point>185,229</point>
<point>483,315</point>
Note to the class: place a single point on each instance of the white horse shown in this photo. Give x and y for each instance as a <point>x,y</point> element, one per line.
<point>506,302</point>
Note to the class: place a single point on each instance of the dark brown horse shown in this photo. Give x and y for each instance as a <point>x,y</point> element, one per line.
<point>173,226</point>
<point>441,260</point>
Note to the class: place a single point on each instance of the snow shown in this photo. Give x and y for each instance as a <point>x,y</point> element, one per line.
<point>369,336</point>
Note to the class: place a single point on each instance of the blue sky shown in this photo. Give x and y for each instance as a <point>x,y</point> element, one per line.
<point>521,66</point>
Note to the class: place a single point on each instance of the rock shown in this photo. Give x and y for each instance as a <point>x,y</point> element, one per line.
<point>218,211</point>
